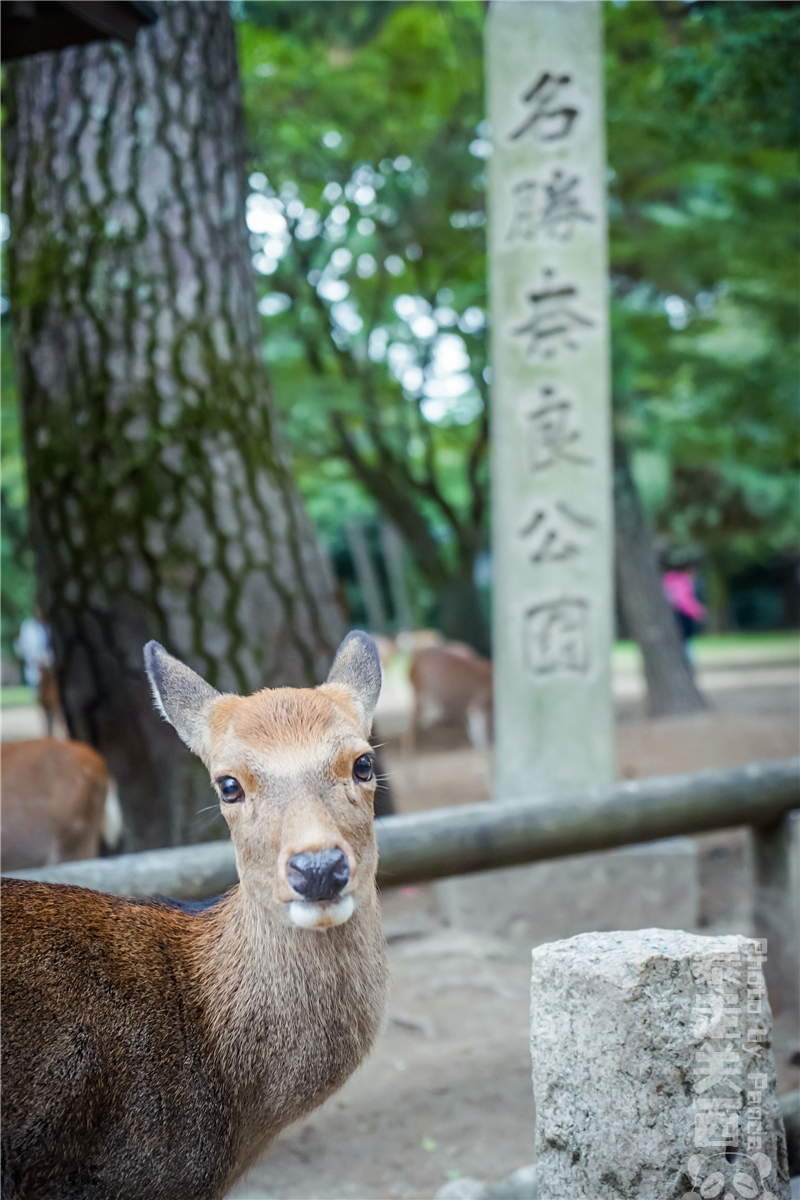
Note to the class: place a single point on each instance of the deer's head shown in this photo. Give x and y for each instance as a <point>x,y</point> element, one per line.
<point>294,774</point>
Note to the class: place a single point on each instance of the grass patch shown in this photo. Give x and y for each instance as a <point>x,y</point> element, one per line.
<point>719,646</point>
<point>18,697</point>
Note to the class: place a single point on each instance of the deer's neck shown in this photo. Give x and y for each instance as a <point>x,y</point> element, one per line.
<point>291,1012</point>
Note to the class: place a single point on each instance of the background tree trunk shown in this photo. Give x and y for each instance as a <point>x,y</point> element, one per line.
<point>160,501</point>
<point>671,688</point>
<point>462,617</point>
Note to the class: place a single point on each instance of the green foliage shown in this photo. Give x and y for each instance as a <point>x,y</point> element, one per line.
<point>367,219</point>
<point>365,146</point>
<point>17,557</point>
<point>702,109</point>
<point>702,113</point>
<point>350,23</point>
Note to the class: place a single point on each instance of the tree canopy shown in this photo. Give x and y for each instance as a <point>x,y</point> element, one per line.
<point>367,217</point>
<point>366,140</point>
<point>366,212</point>
<point>702,113</point>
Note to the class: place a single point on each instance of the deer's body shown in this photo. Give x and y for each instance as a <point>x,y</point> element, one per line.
<point>451,680</point>
<point>58,803</point>
<point>190,1039</point>
<point>151,1051</point>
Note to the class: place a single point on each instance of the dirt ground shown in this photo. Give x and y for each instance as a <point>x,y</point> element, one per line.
<point>447,1090</point>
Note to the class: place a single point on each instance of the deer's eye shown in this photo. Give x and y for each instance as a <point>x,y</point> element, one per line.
<point>230,789</point>
<point>362,768</point>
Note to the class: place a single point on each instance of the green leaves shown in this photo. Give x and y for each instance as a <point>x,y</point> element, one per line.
<point>703,227</point>
<point>17,556</point>
<point>362,166</point>
<point>365,121</point>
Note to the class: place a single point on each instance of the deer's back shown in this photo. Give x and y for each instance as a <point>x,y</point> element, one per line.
<point>109,1088</point>
<point>53,798</point>
<point>451,678</point>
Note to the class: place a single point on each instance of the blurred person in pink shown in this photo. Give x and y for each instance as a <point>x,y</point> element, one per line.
<point>679,589</point>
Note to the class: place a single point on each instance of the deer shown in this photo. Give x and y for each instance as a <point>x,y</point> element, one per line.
<point>59,803</point>
<point>452,680</point>
<point>49,700</point>
<point>154,1048</point>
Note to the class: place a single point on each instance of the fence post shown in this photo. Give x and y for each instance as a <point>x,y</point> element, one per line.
<point>775,909</point>
<point>653,1074</point>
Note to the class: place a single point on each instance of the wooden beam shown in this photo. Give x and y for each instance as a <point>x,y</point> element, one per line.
<point>479,837</point>
<point>415,847</point>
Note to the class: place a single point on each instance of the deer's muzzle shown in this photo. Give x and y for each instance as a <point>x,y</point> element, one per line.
<point>318,876</point>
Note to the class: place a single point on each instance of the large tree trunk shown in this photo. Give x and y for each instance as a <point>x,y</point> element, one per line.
<point>160,500</point>
<point>671,688</point>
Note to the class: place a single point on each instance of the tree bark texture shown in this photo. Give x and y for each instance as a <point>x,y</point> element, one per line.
<point>671,689</point>
<point>161,503</point>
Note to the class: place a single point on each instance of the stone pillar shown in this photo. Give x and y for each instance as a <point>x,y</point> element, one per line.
<point>552,550</point>
<point>653,1074</point>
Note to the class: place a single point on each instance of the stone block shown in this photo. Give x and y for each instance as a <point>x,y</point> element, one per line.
<point>653,1073</point>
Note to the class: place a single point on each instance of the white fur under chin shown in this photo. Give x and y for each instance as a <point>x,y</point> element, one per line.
<point>321,915</point>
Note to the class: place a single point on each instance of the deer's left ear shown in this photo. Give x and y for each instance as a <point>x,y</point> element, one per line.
<point>357,669</point>
<point>180,695</point>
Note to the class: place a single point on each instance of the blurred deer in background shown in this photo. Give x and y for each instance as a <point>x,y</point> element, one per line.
<point>58,803</point>
<point>451,680</point>
<point>34,648</point>
<point>49,700</point>
<point>154,1049</point>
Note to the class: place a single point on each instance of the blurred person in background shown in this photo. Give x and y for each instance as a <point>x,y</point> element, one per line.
<point>679,588</point>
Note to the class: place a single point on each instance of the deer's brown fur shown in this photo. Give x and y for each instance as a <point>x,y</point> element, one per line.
<point>155,1052</point>
<point>454,681</point>
<point>54,796</point>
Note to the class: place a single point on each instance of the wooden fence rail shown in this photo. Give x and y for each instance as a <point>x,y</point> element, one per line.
<point>416,847</point>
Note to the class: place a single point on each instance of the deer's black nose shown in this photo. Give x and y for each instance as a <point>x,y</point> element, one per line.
<point>321,876</point>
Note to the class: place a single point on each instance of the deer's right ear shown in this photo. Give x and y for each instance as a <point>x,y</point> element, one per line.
<point>357,667</point>
<point>181,696</point>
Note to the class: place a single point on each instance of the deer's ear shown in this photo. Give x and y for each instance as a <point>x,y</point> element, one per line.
<point>180,695</point>
<point>357,668</point>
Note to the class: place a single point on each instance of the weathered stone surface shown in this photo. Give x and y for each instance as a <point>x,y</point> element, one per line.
<point>614,889</point>
<point>653,1075</point>
<point>551,488</point>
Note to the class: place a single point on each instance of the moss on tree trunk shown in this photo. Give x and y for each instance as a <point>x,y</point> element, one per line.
<point>160,501</point>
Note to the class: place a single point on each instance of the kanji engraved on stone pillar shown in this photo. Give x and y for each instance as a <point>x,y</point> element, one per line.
<point>553,544</point>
